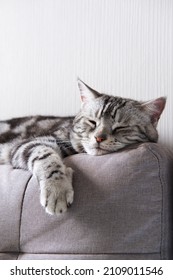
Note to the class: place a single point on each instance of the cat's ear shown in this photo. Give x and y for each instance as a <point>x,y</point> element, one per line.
<point>86,92</point>
<point>155,108</point>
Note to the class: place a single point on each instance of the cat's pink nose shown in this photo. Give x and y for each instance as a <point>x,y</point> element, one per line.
<point>100,138</point>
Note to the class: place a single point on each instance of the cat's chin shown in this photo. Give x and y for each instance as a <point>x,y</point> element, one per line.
<point>97,152</point>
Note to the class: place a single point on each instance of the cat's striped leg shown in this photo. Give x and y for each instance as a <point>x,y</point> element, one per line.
<point>42,158</point>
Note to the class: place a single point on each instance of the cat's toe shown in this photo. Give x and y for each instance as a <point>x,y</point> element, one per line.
<point>61,207</point>
<point>69,197</point>
<point>50,206</point>
<point>44,197</point>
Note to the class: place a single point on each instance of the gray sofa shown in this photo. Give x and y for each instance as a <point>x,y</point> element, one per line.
<point>122,209</point>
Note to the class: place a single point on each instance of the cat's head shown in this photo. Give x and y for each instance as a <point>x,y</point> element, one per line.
<point>108,123</point>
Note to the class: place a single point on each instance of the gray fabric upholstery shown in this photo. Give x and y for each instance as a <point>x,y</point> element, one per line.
<point>122,209</point>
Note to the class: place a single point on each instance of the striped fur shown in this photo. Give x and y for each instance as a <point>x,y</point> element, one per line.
<point>104,124</point>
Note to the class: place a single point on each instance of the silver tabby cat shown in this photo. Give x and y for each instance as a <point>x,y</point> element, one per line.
<point>105,124</point>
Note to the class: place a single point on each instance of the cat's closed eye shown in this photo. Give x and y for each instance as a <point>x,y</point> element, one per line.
<point>118,128</point>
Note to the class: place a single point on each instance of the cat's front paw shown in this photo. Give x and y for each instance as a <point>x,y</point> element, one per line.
<point>57,195</point>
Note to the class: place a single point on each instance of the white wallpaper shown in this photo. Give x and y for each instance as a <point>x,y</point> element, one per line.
<point>122,47</point>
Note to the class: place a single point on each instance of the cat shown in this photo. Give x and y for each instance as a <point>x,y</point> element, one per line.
<point>104,124</point>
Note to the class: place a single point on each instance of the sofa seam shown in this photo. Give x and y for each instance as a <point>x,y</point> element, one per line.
<point>161,184</point>
<point>69,255</point>
<point>21,212</point>
<point>117,253</point>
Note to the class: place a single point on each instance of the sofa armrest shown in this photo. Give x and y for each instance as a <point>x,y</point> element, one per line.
<point>121,210</point>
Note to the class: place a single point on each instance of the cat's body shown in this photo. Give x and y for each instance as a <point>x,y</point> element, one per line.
<point>104,124</point>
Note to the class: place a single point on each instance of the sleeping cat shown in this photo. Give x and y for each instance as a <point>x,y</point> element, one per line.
<point>105,124</point>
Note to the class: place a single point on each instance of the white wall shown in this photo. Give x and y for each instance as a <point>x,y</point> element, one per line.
<point>123,47</point>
